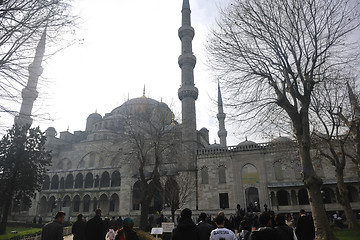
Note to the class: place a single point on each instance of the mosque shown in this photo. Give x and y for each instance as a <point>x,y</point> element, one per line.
<point>91,168</point>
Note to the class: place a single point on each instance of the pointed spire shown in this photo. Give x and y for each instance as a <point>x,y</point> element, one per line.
<point>143,92</point>
<point>40,49</point>
<point>186,4</point>
<point>220,102</point>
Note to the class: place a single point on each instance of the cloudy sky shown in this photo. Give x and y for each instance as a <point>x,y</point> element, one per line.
<point>126,45</point>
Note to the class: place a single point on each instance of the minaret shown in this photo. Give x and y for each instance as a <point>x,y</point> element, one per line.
<point>222,133</point>
<point>187,92</point>
<point>29,93</point>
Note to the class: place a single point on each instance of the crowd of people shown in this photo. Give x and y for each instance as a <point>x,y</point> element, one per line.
<point>250,226</point>
<point>265,226</point>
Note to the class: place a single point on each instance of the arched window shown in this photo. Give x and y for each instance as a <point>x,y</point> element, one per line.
<point>204,175</point>
<point>353,194</point>
<point>89,180</point>
<point>104,203</point>
<point>86,203</point>
<point>52,203</point>
<point>172,193</point>
<point>278,171</point>
<point>95,204</point>
<point>303,197</point>
<point>76,203</point>
<point>105,180</point>
<point>249,174</point>
<point>136,196</point>
<point>79,181</point>
<point>55,182</point>
<point>43,205</point>
<point>46,183</point>
<point>283,197</point>
<point>62,183</point>
<point>328,195</point>
<point>114,203</point>
<point>222,174</point>
<point>67,201</point>
<point>115,179</point>
<point>69,182</point>
<point>97,180</point>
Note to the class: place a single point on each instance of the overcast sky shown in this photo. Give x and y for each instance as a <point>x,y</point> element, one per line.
<point>126,45</point>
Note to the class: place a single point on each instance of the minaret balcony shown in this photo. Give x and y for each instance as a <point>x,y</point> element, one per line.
<point>188,91</point>
<point>186,31</point>
<point>187,58</point>
<point>221,116</point>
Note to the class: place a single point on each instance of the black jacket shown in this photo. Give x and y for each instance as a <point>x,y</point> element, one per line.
<point>95,229</point>
<point>78,230</point>
<point>52,231</point>
<point>264,233</point>
<point>305,229</point>
<point>186,230</point>
<point>204,230</point>
<point>285,232</point>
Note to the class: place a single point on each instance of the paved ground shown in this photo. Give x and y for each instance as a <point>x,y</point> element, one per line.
<point>69,237</point>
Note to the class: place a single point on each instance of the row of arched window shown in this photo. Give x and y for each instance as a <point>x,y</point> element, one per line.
<point>80,182</point>
<point>283,198</point>
<point>78,204</point>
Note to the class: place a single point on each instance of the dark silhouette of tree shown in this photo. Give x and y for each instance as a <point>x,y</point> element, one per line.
<point>271,56</point>
<point>23,162</point>
<point>21,24</point>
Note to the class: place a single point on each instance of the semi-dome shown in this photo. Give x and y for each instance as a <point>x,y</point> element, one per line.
<point>95,116</point>
<point>50,132</point>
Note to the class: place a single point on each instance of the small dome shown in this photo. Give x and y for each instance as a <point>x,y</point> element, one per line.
<point>95,116</point>
<point>50,132</point>
<point>247,143</point>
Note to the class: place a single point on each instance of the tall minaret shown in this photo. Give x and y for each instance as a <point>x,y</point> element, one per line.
<point>188,93</point>
<point>29,93</point>
<point>222,133</point>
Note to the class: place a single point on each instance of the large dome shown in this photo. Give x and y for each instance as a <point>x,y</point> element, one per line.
<point>139,105</point>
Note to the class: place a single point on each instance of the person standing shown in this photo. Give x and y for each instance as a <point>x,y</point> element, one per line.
<point>265,231</point>
<point>204,228</point>
<point>78,228</point>
<point>284,231</point>
<point>94,229</point>
<point>186,229</point>
<point>54,230</point>
<point>221,233</point>
<point>305,229</point>
<point>127,231</point>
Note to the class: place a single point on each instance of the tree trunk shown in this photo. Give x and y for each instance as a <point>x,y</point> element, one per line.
<point>145,206</point>
<point>344,200</point>
<point>313,184</point>
<point>6,211</point>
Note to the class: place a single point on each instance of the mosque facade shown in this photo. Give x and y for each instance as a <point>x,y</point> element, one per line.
<point>92,169</point>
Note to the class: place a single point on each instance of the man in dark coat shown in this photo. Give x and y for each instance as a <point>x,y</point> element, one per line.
<point>54,230</point>
<point>78,228</point>
<point>203,227</point>
<point>186,229</point>
<point>94,229</point>
<point>265,231</point>
<point>284,231</point>
<point>305,229</point>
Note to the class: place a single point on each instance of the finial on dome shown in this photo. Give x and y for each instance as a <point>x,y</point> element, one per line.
<point>172,119</point>
<point>143,92</point>
<point>96,110</point>
<point>68,128</point>
<point>128,96</point>
<point>245,138</point>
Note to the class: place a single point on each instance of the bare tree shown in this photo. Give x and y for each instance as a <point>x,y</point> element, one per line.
<point>332,138</point>
<point>21,25</point>
<point>178,190</point>
<point>150,139</point>
<point>272,54</point>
